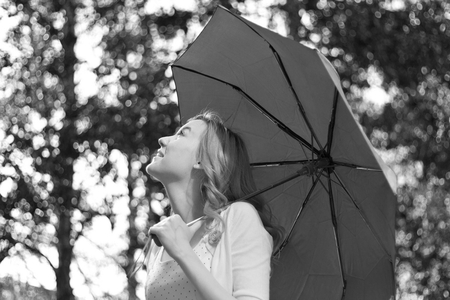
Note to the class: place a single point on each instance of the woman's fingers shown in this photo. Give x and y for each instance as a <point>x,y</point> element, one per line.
<point>171,232</point>
<point>161,224</point>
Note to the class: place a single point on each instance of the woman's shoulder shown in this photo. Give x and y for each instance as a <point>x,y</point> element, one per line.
<point>241,210</point>
<point>241,207</point>
<point>242,220</point>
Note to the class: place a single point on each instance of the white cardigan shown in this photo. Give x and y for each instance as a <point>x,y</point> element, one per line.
<point>241,259</point>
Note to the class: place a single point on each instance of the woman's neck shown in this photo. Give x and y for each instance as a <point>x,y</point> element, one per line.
<point>186,200</point>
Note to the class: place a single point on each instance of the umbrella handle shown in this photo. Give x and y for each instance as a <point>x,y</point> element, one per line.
<point>155,240</point>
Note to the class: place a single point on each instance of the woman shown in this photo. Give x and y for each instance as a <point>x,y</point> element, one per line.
<point>205,168</point>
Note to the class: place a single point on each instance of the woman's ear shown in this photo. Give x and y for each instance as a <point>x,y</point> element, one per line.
<point>198,165</point>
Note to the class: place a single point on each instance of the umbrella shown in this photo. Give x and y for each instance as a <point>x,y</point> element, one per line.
<point>325,184</point>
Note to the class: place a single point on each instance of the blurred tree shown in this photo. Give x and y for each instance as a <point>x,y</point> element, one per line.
<point>38,114</point>
<point>143,111</point>
<point>52,123</point>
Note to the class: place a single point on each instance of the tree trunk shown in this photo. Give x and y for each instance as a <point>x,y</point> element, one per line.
<point>133,245</point>
<point>65,250</point>
<point>68,154</point>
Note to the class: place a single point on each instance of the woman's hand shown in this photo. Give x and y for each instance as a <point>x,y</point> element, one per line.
<point>173,234</point>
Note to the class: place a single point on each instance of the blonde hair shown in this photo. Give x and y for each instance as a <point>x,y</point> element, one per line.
<point>228,177</point>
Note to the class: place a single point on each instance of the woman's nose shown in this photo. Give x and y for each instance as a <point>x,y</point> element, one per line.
<point>163,141</point>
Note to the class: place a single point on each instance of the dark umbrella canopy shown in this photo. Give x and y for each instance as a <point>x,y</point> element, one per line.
<point>285,100</point>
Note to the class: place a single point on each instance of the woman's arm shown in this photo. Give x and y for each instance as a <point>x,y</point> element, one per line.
<point>251,252</point>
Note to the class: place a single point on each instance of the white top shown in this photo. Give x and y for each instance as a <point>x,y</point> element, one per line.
<point>167,281</point>
<point>241,260</point>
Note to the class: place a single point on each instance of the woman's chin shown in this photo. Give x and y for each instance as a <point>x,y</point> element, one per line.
<point>154,171</point>
<point>150,168</point>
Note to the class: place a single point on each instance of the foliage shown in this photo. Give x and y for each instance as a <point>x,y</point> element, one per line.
<point>9,291</point>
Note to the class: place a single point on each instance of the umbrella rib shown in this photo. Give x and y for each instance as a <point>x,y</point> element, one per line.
<point>308,169</point>
<point>335,228</point>
<point>360,212</point>
<point>261,109</point>
<point>282,163</point>
<point>291,230</point>
<point>332,121</point>
<point>288,80</point>
<point>353,166</point>
<point>274,120</point>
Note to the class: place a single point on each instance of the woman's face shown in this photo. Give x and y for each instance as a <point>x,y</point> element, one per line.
<point>177,155</point>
